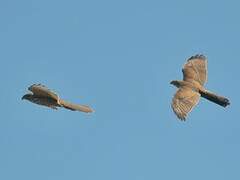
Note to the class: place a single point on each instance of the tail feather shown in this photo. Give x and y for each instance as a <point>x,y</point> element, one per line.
<point>222,101</point>
<point>75,107</point>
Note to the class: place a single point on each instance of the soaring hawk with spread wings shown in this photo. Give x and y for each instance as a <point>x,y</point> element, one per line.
<point>43,96</point>
<point>191,88</point>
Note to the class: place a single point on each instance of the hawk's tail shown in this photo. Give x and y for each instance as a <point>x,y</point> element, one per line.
<point>222,101</point>
<point>75,107</point>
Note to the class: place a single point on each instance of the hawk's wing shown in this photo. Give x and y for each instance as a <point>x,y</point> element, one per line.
<point>41,90</point>
<point>183,102</point>
<point>195,69</point>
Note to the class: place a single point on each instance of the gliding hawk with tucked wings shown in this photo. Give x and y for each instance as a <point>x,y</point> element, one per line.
<point>191,88</point>
<point>43,96</point>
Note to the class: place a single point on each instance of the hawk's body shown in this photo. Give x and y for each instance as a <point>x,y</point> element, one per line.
<point>191,88</point>
<point>43,96</point>
<point>44,101</point>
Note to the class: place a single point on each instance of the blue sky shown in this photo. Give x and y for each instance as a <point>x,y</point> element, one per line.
<point>118,57</point>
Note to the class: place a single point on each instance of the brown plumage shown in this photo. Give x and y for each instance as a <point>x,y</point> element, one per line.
<point>191,88</point>
<point>43,96</point>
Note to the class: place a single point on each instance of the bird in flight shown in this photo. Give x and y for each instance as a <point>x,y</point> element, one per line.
<point>43,96</point>
<point>191,88</point>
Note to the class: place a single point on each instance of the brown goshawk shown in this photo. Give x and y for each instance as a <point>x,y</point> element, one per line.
<point>43,96</point>
<point>191,88</point>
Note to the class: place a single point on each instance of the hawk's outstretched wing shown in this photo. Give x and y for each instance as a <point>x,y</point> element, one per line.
<point>195,69</point>
<point>43,91</point>
<point>183,102</point>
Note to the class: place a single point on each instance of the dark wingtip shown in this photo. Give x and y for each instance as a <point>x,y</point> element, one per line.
<point>197,56</point>
<point>183,119</point>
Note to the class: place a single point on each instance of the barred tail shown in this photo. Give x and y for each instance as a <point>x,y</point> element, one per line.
<point>75,107</point>
<point>222,101</point>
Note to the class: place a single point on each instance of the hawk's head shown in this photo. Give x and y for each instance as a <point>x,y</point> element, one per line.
<point>176,83</point>
<point>27,96</point>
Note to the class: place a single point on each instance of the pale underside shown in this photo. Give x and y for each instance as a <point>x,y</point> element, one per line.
<point>194,71</point>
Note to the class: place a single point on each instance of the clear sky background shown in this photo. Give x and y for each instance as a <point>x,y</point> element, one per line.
<point>118,57</point>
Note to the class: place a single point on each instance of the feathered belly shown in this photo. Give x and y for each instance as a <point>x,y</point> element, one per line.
<point>52,103</point>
